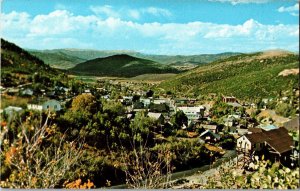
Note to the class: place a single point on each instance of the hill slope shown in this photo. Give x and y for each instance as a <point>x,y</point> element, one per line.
<point>244,76</point>
<point>121,66</point>
<point>58,59</point>
<point>17,65</point>
<point>67,58</point>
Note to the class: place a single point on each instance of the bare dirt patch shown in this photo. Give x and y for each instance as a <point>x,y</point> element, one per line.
<point>273,53</point>
<point>287,72</point>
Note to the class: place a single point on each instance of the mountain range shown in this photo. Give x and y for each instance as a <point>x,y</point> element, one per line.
<point>68,58</point>
<point>249,76</point>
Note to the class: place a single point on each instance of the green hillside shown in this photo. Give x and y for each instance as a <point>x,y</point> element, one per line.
<point>121,66</point>
<point>244,76</point>
<point>188,59</point>
<point>67,58</point>
<point>15,59</point>
<point>58,59</point>
<point>18,66</point>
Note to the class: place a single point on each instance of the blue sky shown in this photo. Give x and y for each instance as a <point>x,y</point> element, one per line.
<point>153,26</point>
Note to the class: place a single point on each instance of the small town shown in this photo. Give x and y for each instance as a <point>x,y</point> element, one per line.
<point>219,123</point>
<point>149,94</point>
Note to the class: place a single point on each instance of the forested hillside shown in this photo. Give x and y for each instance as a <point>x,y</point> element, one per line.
<point>121,66</point>
<point>18,66</point>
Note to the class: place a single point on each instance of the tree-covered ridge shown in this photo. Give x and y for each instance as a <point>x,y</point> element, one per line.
<point>121,66</point>
<point>16,60</point>
<point>18,67</point>
<point>245,76</point>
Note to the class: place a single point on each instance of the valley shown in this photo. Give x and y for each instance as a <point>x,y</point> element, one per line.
<point>110,119</point>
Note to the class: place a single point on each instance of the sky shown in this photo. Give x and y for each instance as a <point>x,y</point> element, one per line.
<point>172,27</point>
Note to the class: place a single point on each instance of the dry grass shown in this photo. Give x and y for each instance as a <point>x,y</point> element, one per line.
<point>13,101</point>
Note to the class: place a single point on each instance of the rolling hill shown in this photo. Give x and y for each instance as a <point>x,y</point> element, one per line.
<point>121,65</point>
<point>68,58</point>
<point>58,59</point>
<point>244,76</point>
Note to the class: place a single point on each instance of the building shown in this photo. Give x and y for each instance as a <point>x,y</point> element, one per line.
<point>209,136</point>
<point>157,116</point>
<point>275,144</point>
<point>10,110</point>
<point>27,92</point>
<point>192,113</point>
<point>52,105</point>
<point>212,128</point>
<point>229,99</point>
<point>146,102</point>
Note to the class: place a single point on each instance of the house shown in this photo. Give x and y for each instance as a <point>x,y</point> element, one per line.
<point>192,113</point>
<point>212,128</point>
<point>230,121</point>
<point>52,105</point>
<point>162,101</point>
<point>250,142</point>
<point>27,92</point>
<point>275,144</point>
<point>10,110</point>
<point>229,99</point>
<point>157,116</point>
<point>209,136</point>
<point>146,101</point>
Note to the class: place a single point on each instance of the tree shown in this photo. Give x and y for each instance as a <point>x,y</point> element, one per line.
<point>39,156</point>
<point>85,103</point>
<point>149,93</point>
<point>179,119</point>
<point>143,166</point>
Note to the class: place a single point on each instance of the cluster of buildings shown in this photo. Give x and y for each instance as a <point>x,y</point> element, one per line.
<point>252,138</point>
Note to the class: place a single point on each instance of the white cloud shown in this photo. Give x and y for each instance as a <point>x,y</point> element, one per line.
<point>293,10</point>
<point>61,29</point>
<point>107,10</point>
<point>157,11</point>
<point>235,2</point>
<point>135,14</point>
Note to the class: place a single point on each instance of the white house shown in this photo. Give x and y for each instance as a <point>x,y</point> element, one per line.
<point>146,102</point>
<point>27,91</point>
<point>245,142</point>
<point>12,109</point>
<point>192,113</point>
<point>52,105</point>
